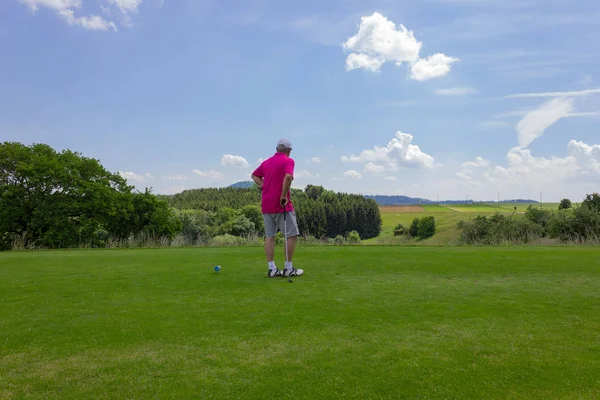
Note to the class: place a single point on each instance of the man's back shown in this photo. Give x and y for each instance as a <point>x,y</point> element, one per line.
<point>273,171</point>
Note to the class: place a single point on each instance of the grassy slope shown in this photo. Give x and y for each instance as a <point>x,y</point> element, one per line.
<point>364,322</point>
<point>446,217</point>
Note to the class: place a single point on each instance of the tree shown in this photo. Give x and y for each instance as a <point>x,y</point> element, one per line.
<point>565,204</point>
<point>592,201</point>
<point>426,227</point>
<point>413,230</point>
<point>56,199</point>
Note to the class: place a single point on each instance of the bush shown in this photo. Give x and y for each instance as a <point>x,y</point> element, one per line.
<point>539,217</point>
<point>339,239</point>
<point>499,229</point>
<point>400,230</point>
<point>354,237</point>
<point>227,240</point>
<point>565,204</point>
<point>581,226</point>
<point>426,227</point>
<point>414,228</point>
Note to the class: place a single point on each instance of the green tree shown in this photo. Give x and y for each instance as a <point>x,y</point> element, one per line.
<point>565,204</point>
<point>56,199</point>
<point>592,201</point>
<point>413,230</point>
<point>426,227</point>
<point>254,214</point>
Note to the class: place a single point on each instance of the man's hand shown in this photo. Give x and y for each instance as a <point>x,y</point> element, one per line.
<point>283,201</point>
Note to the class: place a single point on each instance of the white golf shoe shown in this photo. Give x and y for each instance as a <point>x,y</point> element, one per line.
<point>293,272</point>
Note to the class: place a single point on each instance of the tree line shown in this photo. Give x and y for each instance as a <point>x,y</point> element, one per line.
<point>321,213</point>
<point>52,199</point>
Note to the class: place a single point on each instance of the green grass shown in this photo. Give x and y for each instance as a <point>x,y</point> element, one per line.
<point>364,322</point>
<point>436,208</point>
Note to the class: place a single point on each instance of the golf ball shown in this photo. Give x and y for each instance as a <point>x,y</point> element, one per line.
<point>218,268</point>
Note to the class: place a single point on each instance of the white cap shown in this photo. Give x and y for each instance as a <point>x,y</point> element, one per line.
<point>284,144</point>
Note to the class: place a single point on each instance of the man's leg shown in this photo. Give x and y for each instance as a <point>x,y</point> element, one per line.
<point>292,239</point>
<point>270,231</point>
<point>270,248</point>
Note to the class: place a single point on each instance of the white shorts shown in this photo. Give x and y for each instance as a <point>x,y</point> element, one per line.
<point>274,222</point>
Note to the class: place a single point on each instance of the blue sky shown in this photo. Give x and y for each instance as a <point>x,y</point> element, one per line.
<point>456,98</point>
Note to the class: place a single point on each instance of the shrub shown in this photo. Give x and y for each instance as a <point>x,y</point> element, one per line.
<point>538,216</point>
<point>354,237</point>
<point>400,230</point>
<point>499,229</point>
<point>339,239</point>
<point>227,240</point>
<point>414,228</point>
<point>426,227</point>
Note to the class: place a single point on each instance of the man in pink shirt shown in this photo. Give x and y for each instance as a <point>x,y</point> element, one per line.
<point>274,176</point>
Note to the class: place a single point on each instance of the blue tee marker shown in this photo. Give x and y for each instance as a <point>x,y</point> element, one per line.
<point>217,268</point>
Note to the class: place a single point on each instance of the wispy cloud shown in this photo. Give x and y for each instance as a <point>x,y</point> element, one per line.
<point>458,91</point>
<point>177,177</point>
<point>533,125</point>
<point>577,93</point>
<point>209,174</point>
<point>65,9</point>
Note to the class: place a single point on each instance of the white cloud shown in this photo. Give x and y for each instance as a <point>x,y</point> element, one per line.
<point>64,8</point>
<point>352,174</point>
<point>177,177</point>
<point>379,40</point>
<point>209,174</point>
<point>455,91</point>
<point>303,174</point>
<point>94,22</point>
<point>235,161</point>
<point>260,160</point>
<point>132,176</point>
<point>126,6</point>
<point>355,61</point>
<point>54,4</point>
<point>374,168</point>
<point>578,93</point>
<point>524,169</point>
<point>432,67</point>
<point>391,178</point>
<point>533,125</point>
<point>588,155</point>
<point>479,162</point>
<point>399,152</point>
<point>314,160</point>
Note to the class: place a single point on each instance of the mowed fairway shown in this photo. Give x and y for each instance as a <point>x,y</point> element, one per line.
<point>364,322</point>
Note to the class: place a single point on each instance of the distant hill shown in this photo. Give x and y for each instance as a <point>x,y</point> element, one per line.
<point>242,185</point>
<point>386,200</point>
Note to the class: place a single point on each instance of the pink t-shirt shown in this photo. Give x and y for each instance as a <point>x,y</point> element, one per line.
<point>273,171</point>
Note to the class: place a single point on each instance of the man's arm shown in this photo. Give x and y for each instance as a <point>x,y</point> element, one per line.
<point>258,180</point>
<point>287,184</point>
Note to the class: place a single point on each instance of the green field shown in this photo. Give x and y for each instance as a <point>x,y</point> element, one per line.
<point>364,322</point>
<point>447,217</point>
